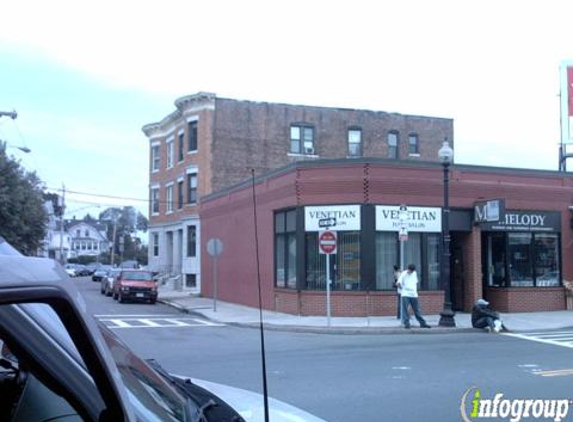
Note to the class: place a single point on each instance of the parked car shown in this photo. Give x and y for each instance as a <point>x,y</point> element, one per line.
<point>133,284</point>
<point>106,286</point>
<point>70,270</point>
<point>58,363</point>
<point>100,272</point>
<point>82,271</point>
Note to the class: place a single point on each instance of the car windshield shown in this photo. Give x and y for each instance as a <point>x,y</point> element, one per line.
<point>149,393</point>
<point>136,276</point>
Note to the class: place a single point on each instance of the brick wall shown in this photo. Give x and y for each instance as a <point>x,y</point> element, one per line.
<point>252,134</point>
<point>527,299</point>
<point>473,286</point>
<point>350,304</point>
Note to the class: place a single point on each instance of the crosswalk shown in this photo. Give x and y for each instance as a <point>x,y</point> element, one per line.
<point>153,321</point>
<point>557,338</point>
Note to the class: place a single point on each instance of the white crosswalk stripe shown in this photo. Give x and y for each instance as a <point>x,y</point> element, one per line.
<point>556,338</point>
<point>150,321</point>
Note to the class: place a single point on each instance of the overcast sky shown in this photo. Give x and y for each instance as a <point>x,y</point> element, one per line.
<point>85,77</point>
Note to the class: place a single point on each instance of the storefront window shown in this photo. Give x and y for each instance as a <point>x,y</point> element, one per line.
<point>520,259</point>
<point>413,253</point>
<point>344,265</point>
<point>386,258</point>
<point>285,249</point>
<point>546,260</point>
<point>433,253</point>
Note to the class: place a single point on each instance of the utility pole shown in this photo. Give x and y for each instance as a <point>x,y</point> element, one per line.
<point>113,240</point>
<point>63,205</point>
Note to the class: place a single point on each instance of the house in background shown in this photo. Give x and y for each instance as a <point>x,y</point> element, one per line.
<point>56,242</point>
<point>208,144</point>
<point>87,238</point>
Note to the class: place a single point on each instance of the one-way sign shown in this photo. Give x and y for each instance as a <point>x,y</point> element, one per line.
<point>327,222</point>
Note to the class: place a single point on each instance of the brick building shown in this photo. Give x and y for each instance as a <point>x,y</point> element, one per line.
<point>210,143</point>
<point>516,260</point>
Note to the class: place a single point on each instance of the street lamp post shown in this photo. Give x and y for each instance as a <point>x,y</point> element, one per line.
<point>446,155</point>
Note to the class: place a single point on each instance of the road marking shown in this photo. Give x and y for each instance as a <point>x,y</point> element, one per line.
<point>134,315</point>
<point>556,338</point>
<point>554,373</point>
<point>157,322</point>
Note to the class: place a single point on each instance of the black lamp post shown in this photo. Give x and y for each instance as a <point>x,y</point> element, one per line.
<point>446,155</point>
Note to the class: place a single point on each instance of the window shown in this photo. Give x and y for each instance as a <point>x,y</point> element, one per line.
<point>181,146</point>
<point>170,154</point>
<point>354,142</point>
<point>386,258</point>
<point>191,241</point>
<point>87,233</point>
<point>413,146</point>
<point>155,244</point>
<point>344,265</point>
<point>302,140</point>
<point>192,146</point>
<point>191,280</point>
<point>169,198</point>
<point>155,200</point>
<point>192,188</point>
<point>180,194</point>
<point>78,233</point>
<point>285,249</point>
<point>155,158</point>
<point>393,144</point>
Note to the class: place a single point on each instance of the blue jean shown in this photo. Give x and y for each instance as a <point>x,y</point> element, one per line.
<point>413,302</point>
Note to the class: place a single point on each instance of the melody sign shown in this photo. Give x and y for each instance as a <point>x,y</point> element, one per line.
<point>420,219</point>
<point>547,221</point>
<point>342,217</point>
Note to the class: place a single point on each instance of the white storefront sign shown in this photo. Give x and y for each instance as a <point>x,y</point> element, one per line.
<point>339,217</point>
<point>420,219</point>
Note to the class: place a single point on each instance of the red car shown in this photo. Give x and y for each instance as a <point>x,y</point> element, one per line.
<point>133,284</point>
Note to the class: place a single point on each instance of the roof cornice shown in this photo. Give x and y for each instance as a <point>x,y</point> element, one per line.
<point>184,106</point>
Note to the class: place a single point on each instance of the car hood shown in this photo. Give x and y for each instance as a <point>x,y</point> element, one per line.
<point>250,404</point>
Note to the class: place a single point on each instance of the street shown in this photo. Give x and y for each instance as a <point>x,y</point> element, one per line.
<point>399,377</point>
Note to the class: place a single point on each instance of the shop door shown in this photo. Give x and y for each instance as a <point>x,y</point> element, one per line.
<point>494,261</point>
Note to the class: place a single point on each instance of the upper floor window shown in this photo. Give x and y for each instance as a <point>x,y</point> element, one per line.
<point>180,194</point>
<point>393,144</point>
<point>155,158</point>
<point>155,200</point>
<point>354,142</point>
<point>192,188</point>
<point>170,151</point>
<point>87,233</point>
<point>180,146</point>
<point>192,146</point>
<point>413,145</point>
<point>78,233</point>
<point>169,198</point>
<point>302,140</point>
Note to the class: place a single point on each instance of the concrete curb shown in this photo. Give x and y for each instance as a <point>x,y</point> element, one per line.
<point>322,330</point>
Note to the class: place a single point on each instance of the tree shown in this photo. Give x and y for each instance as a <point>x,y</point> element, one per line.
<point>22,215</point>
<point>127,221</point>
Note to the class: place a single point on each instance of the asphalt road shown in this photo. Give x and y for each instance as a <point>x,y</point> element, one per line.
<point>341,378</point>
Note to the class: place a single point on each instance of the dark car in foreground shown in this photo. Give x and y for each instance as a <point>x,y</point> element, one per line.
<point>58,364</point>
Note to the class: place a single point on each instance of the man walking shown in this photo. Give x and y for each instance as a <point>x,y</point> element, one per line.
<point>408,283</point>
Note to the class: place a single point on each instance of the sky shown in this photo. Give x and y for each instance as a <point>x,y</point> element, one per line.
<point>84,77</point>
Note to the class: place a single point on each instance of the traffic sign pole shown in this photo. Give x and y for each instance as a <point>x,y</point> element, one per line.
<point>328,290</point>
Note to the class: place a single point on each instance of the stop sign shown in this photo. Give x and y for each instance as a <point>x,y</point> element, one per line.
<point>327,241</point>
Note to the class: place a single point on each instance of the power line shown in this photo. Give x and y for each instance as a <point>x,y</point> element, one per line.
<point>99,195</point>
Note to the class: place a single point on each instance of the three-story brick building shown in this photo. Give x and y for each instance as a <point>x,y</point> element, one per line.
<point>210,143</point>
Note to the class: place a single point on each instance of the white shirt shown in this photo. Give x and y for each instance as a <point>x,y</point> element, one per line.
<point>409,284</point>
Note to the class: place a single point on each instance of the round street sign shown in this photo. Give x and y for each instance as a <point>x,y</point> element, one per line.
<point>214,247</point>
<point>327,241</point>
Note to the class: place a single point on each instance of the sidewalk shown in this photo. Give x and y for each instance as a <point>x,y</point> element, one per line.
<point>239,315</point>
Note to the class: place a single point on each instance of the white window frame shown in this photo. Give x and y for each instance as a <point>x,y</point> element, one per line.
<point>169,197</point>
<point>154,194</point>
<point>351,140</point>
<point>170,152</point>
<point>155,157</point>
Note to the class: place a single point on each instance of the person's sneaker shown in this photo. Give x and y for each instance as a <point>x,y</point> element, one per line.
<point>488,329</point>
<point>425,326</point>
<point>407,327</point>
